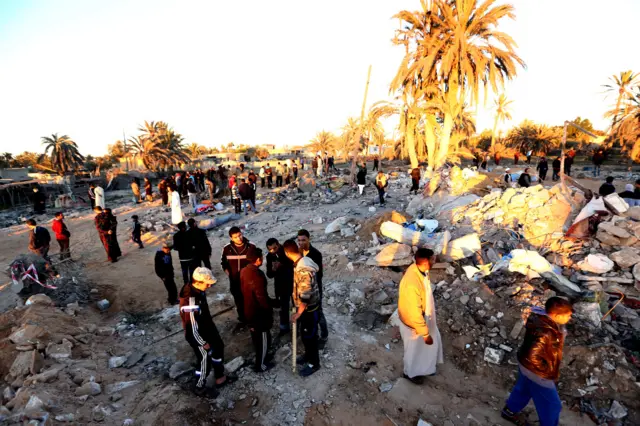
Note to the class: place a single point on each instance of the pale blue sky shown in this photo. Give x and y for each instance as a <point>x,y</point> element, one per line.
<point>267,72</point>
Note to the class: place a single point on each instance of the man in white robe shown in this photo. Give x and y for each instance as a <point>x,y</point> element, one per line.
<point>176,210</point>
<point>99,192</point>
<point>417,314</point>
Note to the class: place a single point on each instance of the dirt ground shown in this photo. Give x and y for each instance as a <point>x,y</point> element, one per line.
<point>356,361</point>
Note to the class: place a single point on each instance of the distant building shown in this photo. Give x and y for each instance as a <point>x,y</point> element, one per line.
<point>15,174</point>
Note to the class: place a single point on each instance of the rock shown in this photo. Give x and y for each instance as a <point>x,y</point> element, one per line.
<point>39,299</point>
<point>89,388</point>
<point>336,225</point>
<point>517,328</point>
<point>61,351</point>
<point>27,334</point>
<point>372,209</point>
<point>21,365</point>
<point>625,258</point>
<point>134,358</point>
<point>461,248</point>
<point>464,299</point>
<point>636,272</point>
<point>8,394</point>
<point>65,418</point>
<point>386,387</point>
<point>395,254</point>
<point>589,312</point>
<point>386,310</point>
<point>24,348</point>
<point>606,238</point>
<point>117,361</point>
<point>158,228</point>
<point>461,342</point>
<point>479,300</point>
<point>37,362</point>
<point>99,413</point>
<point>617,410</point>
<point>234,365</point>
<point>423,423</point>
<point>350,267</point>
<point>117,387</point>
<point>596,263</point>
<point>616,231</point>
<point>178,369</point>
<point>374,239</point>
<point>105,331</point>
<point>347,232</point>
<point>103,305</point>
<point>44,377</point>
<point>317,220</point>
<point>34,404</point>
<point>356,295</point>
<point>493,356</point>
<point>380,297</point>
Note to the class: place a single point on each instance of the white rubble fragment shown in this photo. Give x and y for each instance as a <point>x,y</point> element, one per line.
<point>493,356</point>
<point>336,225</point>
<point>596,263</point>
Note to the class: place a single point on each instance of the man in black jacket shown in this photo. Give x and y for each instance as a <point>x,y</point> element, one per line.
<point>525,179</point>
<point>607,187</point>
<point>280,268</point>
<point>304,242</point>
<point>164,270</point>
<point>183,242</point>
<point>542,168</point>
<point>201,333</point>
<point>202,253</point>
<point>39,239</point>
<point>539,360</point>
<point>247,194</point>
<point>257,308</point>
<point>39,201</point>
<point>234,258</point>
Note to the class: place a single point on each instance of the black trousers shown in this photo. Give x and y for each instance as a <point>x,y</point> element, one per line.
<point>137,239</point>
<point>287,180</point>
<point>375,166</point>
<point>556,175</point>
<point>262,182</point>
<point>172,291</point>
<point>284,301</point>
<point>543,174</point>
<point>295,174</point>
<point>415,185</point>
<point>207,359</point>
<point>261,344</point>
<point>236,292</point>
<point>269,181</point>
<point>64,249</point>
<point>309,333</point>
<point>236,205</point>
<point>188,266</point>
<point>380,194</point>
<point>278,181</point>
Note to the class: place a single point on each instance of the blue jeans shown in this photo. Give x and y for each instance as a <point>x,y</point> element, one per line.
<point>596,170</point>
<point>249,202</point>
<point>546,400</point>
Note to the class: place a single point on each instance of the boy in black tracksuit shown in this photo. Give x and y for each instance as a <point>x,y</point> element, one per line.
<point>201,244</point>
<point>164,270</point>
<point>306,249</point>
<point>280,268</point>
<point>257,309</point>
<point>234,258</point>
<point>183,242</point>
<point>136,232</point>
<point>200,331</point>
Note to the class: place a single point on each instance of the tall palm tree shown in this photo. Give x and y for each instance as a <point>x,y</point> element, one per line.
<point>323,141</point>
<point>193,150</point>
<point>503,114</point>
<point>623,85</point>
<point>455,47</point>
<point>63,153</point>
<point>535,137</point>
<point>627,127</point>
<point>150,152</point>
<point>350,132</point>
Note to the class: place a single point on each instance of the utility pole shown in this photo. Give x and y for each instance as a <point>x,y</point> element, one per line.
<point>356,146</point>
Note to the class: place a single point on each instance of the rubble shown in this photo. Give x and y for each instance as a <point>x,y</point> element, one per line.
<point>394,254</point>
<point>596,263</point>
<point>626,258</point>
<point>493,356</point>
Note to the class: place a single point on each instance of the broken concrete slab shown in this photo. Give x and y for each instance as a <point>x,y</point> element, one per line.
<point>59,351</point>
<point>28,333</point>
<point>596,263</point>
<point>234,365</point>
<point>493,356</point>
<point>21,365</point>
<point>336,225</point>
<point>625,258</point>
<point>395,254</point>
<point>178,369</point>
<point>462,248</point>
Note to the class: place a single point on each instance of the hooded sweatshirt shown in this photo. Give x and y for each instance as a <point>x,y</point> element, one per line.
<point>305,284</point>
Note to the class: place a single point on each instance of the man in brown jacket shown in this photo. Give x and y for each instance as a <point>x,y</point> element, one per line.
<point>539,359</point>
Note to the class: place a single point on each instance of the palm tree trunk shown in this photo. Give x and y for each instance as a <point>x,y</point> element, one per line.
<point>430,137</point>
<point>445,138</point>
<point>410,140</point>
<point>493,134</point>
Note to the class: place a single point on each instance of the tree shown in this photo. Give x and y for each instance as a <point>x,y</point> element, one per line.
<point>262,153</point>
<point>6,160</point>
<point>63,153</point>
<point>628,127</point>
<point>323,141</point>
<point>194,151</point>
<point>535,137</point>
<point>149,151</point>
<point>453,49</point>
<point>158,146</point>
<point>503,114</point>
<point>623,85</point>
<point>574,134</point>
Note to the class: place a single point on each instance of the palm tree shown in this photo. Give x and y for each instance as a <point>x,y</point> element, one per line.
<point>150,152</point>
<point>194,150</point>
<point>628,126</point>
<point>623,85</point>
<point>63,153</point>
<point>454,47</point>
<point>350,132</point>
<point>535,137</point>
<point>502,114</point>
<point>323,141</point>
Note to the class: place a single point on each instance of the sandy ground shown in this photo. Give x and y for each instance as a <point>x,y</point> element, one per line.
<point>337,395</point>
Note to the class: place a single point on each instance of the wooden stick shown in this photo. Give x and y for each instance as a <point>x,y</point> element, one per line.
<point>294,344</point>
<point>181,329</point>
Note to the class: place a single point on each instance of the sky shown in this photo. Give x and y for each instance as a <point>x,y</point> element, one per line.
<point>256,72</point>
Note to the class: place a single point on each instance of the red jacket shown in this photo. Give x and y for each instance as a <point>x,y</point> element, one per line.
<point>60,229</point>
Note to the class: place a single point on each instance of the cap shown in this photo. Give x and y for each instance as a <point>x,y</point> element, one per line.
<point>204,275</point>
<point>507,169</point>
<point>167,244</point>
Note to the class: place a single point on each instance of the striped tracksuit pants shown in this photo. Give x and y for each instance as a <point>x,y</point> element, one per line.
<point>206,359</point>
<point>261,343</point>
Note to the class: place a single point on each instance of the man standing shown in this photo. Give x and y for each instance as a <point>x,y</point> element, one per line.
<point>279,173</point>
<point>257,308</point>
<point>246,193</point>
<point>104,228</point>
<point>201,333</point>
<point>262,176</point>
<point>568,161</point>
<point>598,159</point>
<point>280,268</point>
<point>415,180</point>
<point>39,201</point>
<point>361,179</point>
<point>39,239</point>
<point>417,313</point>
<point>306,249</point>
<point>92,195</point>
<point>62,235</point>
<point>542,168</point>
<point>183,242</point>
<point>269,174</point>
<point>376,163</point>
<point>164,270</point>
<point>294,168</point>
<point>556,169</point>
<point>539,360</point>
<point>192,191</point>
<point>148,190</point>
<point>381,184</point>
<point>529,154</point>
<point>234,258</point>
<point>135,188</point>
<point>201,244</point>
<point>306,299</point>
<point>162,189</point>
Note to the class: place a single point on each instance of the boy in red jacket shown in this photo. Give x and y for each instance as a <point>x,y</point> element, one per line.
<point>62,235</point>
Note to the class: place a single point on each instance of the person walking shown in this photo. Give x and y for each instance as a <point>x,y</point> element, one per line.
<point>39,202</point>
<point>148,190</point>
<point>415,180</point>
<point>306,249</point>
<point>164,270</point>
<point>294,167</point>
<point>381,185</point>
<point>525,179</point>
<point>201,332</point>
<point>314,165</point>
<point>417,313</point>
<point>376,163</point>
<point>598,160</point>
<point>201,244</point>
<point>193,193</point>
<point>542,168</point>
<point>257,309</point>
<point>539,360</point>
<point>279,173</point>
<point>361,178</point>
<point>607,188</point>
<point>247,194</point>
<point>39,239</point>
<point>235,198</point>
<point>135,188</point>
<point>184,244</point>
<point>234,258</point>
<point>556,169</point>
<point>136,232</point>
<point>92,196</point>
<point>306,299</point>
<point>262,176</point>
<point>176,209</point>
<point>62,235</point>
<point>280,268</point>
<point>104,228</point>
<point>164,192</point>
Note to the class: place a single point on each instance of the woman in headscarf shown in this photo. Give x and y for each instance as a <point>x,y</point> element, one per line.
<point>113,236</point>
<point>629,196</point>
